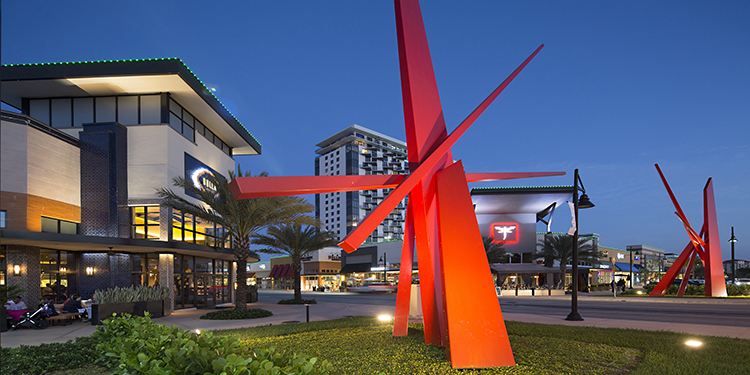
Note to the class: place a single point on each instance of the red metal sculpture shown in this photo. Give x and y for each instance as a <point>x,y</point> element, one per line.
<point>460,308</point>
<point>705,245</point>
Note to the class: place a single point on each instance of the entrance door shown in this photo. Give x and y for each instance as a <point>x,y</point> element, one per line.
<point>204,289</point>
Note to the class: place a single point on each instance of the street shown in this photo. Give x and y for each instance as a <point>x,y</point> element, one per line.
<point>713,312</point>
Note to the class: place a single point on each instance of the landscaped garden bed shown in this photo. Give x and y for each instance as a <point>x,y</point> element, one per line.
<point>363,345</point>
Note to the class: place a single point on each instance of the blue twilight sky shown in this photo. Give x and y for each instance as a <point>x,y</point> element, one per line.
<point>620,85</point>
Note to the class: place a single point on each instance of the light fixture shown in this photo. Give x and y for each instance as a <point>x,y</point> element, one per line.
<point>17,269</point>
<point>693,343</point>
<point>584,202</point>
<point>89,271</point>
<point>197,332</point>
<point>385,318</point>
<point>63,269</point>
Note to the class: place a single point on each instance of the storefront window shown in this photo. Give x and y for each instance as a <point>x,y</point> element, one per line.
<point>144,221</point>
<point>58,274</point>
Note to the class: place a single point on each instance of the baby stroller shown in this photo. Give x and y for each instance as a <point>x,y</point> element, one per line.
<point>32,319</point>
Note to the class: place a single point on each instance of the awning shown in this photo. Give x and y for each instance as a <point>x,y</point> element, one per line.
<point>523,268</point>
<point>626,267</point>
<point>356,267</point>
<point>282,270</point>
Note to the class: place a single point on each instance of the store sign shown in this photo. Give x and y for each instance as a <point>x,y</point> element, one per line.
<point>334,256</point>
<point>202,176</point>
<point>620,256</point>
<point>505,232</point>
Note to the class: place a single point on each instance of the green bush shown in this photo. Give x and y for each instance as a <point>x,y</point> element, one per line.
<point>738,290</point>
<point>297,302</point>
<point>48,357</point>
<point>137,345</point>
<point>131,294</point>
<point>7,292</point>
<point>235,314</point>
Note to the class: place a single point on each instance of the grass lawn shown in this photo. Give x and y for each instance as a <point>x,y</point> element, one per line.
<point>364,346</point>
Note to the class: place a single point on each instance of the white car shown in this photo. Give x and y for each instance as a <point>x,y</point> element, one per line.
<point>380,287</point>
<point>742,281</point>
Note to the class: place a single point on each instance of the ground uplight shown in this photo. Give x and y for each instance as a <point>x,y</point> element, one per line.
<point>693,343</point>
<point>385,318</point>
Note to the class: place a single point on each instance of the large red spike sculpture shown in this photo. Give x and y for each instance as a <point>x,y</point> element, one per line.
<point>440,220</point>
<point>705,245</point>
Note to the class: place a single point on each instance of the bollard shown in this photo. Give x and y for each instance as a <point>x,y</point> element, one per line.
<point>307,309</point>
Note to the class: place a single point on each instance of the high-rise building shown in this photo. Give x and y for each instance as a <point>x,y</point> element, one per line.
<point>357,150</point>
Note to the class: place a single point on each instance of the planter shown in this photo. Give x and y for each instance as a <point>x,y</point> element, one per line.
<point>100,312</point>
<point>523,292</point>
<point>557,292</point>
<point>252,297</point>
<point>3,319</point>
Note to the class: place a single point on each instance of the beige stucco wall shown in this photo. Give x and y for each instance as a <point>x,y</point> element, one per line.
<point>156,155</point>
<point>53,168</point>
<point>38,164</point>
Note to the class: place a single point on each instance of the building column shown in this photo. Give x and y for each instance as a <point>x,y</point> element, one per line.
<point>28,259</point>
<point>166,276</point>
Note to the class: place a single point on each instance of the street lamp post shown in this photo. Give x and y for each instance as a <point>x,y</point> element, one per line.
<point>631,265</point>
<point>732,241</point>
<point>584,202</point>
<point>385,268</point>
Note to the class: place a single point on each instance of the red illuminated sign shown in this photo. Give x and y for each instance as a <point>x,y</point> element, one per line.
<point>505,232</point>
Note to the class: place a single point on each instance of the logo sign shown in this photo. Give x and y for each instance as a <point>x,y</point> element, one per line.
<point>334,256</point>
<point>202,176</point>
<point>505,232</point>
<point>620,256</point>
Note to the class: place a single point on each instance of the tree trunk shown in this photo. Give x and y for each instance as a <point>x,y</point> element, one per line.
<point>297,267</point>
<point>562,276</point>
<point>240,296</point>
<point>241,252</point>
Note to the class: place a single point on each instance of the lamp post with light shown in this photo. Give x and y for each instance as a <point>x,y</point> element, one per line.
<point>732,241</point>
<point>583,202</point>
<point>385,268</point>
<point>631,265</point>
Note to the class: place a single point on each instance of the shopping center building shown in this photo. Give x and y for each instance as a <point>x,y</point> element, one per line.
<point>82,156</point>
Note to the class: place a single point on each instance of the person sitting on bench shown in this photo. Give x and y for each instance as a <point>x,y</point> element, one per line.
<point>73,305</point>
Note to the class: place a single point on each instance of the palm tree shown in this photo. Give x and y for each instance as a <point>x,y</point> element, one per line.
<point>560,248</point>
<point>240,218</point>
<point>296,242</point>
<point>495,254</point>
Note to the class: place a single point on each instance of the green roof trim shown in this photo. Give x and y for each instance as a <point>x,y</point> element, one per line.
<point>524,187</point>
<point>206,89</point>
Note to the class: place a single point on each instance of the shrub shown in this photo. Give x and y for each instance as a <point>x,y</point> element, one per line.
<point>297,301</point>
<point>738,290</point>
<point>235,314</point>
<point>132,344</point>
<point>48,357</point>
<point>131,294</point>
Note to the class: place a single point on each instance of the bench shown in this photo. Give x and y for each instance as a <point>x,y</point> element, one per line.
<point>62,318</point>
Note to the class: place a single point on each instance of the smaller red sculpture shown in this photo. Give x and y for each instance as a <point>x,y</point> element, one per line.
<point>705,245</point>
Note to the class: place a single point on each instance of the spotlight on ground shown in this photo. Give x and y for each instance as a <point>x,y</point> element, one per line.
<point>693,343</point>
<point>385,318</point>
<point>197,332</point>
<point>639,292</point>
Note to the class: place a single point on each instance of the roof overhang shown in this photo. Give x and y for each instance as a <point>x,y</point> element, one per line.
<point>128,77</point>
<point>518,200</point>
<point>89,244</point>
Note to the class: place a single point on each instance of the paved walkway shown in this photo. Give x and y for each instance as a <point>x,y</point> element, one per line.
<point>189,320</point>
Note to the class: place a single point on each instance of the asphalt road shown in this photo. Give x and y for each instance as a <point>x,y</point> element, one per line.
<point>724,314</point>
<point>719,313</point>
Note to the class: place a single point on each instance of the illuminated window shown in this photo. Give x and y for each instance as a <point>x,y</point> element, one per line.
<point>144,222</point>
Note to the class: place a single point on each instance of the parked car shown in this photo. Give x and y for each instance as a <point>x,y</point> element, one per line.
<point>376,287</point>
<point>742,281</point>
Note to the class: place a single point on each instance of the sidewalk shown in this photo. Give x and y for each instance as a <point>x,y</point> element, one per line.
<point>190,320</point>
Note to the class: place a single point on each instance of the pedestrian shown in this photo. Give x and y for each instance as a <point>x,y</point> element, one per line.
<point>621,284</point>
